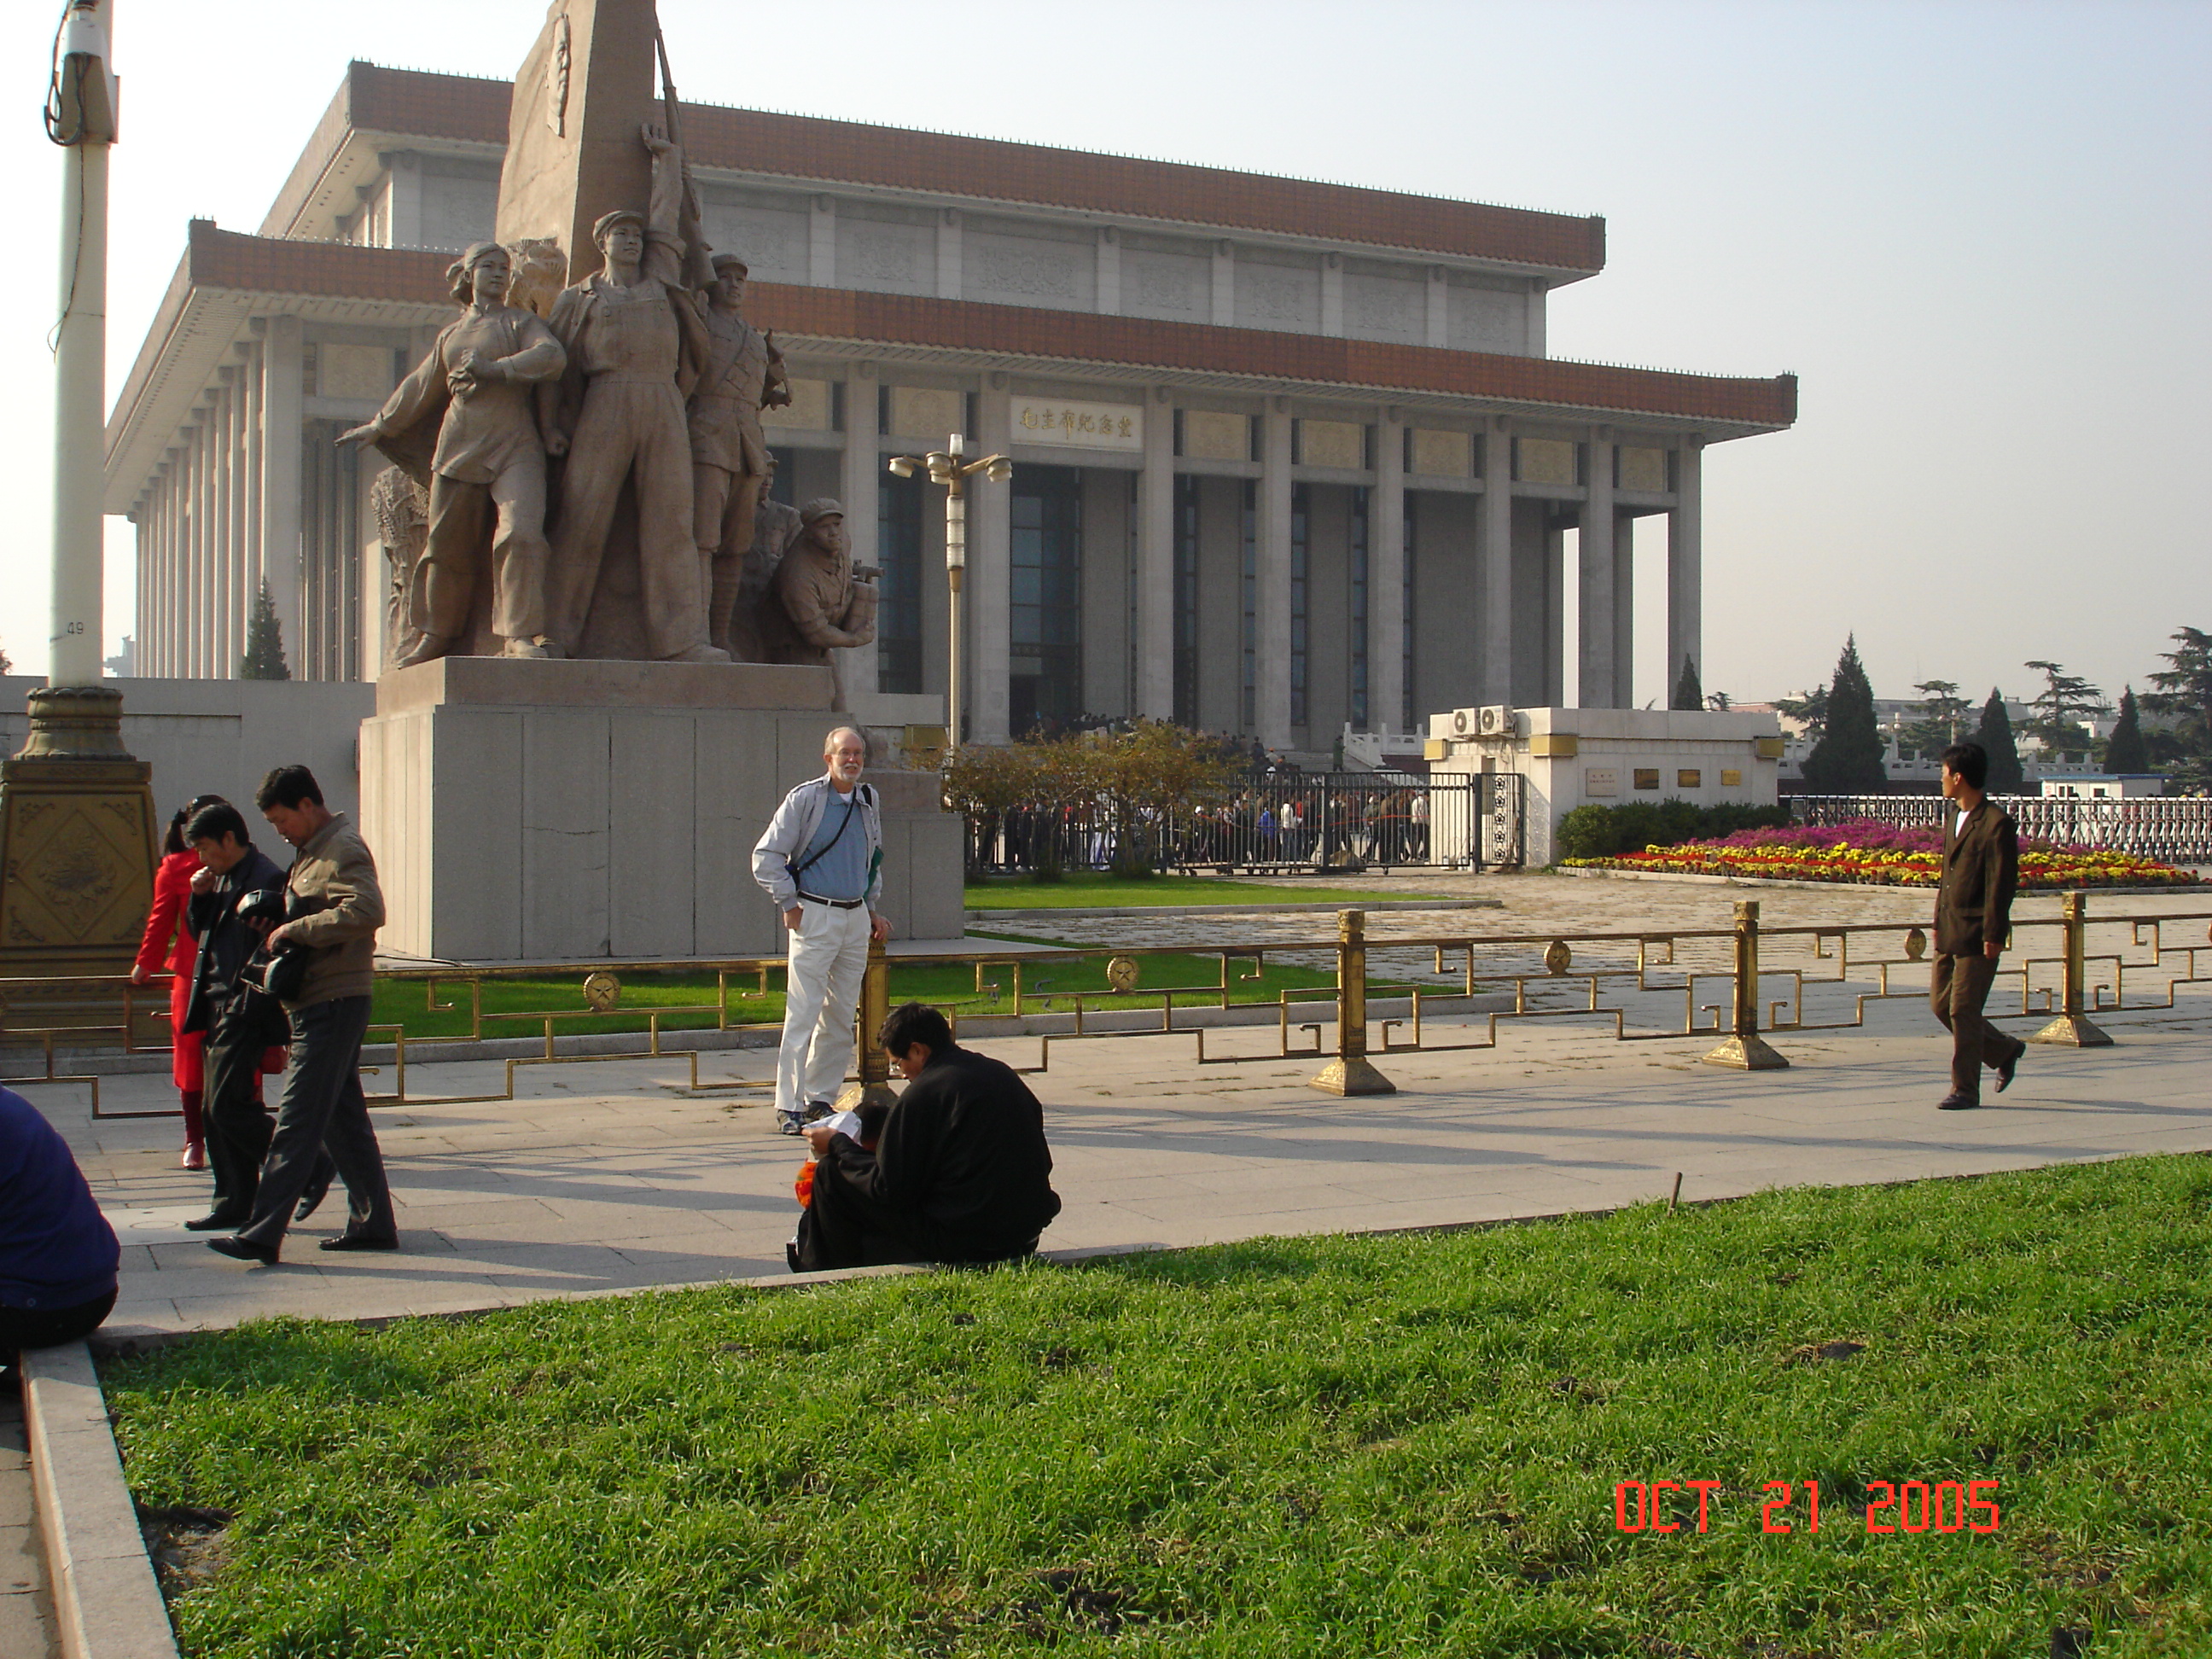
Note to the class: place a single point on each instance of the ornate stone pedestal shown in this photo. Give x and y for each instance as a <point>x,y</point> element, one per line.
<point>525,810</point>
<point>77,860</point>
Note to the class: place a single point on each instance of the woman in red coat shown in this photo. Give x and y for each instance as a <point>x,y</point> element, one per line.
<point>170,946</point>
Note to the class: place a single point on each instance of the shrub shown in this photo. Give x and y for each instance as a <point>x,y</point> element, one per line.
<point>1601,832</point>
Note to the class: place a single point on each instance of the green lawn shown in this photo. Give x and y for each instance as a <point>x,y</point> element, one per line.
<point>1045,988</point>
<point>1407,1446</point>
<point>1088,889</point>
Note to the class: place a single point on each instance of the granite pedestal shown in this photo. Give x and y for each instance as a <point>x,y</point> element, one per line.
<point>525,810</point>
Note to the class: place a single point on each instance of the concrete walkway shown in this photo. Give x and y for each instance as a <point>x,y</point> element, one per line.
<point>26,1614</point>
<point>607,1176</point>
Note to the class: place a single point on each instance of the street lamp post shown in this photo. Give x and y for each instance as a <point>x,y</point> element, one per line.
<point>949,466</point>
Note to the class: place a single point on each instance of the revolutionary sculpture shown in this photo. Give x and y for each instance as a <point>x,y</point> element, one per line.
<point>730,464</point>
<point>401,508</point>
<point>819,601</point>
<point>462,425</point>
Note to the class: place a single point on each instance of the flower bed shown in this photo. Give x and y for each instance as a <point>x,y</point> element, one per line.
<point>1882,853</point>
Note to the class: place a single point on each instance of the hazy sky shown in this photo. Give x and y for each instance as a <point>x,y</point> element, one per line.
<point>1978,233</point>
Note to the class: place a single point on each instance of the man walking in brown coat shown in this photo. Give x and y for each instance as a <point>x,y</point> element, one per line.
<point>1974,918</point>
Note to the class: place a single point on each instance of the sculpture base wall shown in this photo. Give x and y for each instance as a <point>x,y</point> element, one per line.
<point>525,810</point>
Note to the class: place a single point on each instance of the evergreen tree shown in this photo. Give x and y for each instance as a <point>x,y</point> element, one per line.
<point>2058,718</point>
<point>1847,760</point>
<point>2123,750</point>
<point>1688,693</point>
<point>2184,697</point>
<point>1995,735</point>
<point>264,642</point>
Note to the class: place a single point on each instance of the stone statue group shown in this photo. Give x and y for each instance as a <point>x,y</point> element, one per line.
<point>552,432</point>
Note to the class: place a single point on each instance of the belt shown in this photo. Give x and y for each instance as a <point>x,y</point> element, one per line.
<point>834,904</point>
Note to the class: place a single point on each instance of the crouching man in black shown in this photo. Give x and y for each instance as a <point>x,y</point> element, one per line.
<point>961,1173</point>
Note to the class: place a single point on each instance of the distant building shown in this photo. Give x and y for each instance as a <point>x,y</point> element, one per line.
<point>1290,455</point>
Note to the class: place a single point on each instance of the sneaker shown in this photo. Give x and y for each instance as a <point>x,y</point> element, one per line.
<point>790,1122</point>
<point>816,1110</point>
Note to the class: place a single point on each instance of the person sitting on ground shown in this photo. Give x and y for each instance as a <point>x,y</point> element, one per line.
<point>961,1173</point>
<point>57,1254</point>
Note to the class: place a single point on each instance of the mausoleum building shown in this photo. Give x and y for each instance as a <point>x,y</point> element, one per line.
<point>1288,456</point>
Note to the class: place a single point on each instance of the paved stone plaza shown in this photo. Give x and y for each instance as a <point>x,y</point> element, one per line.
<point>607,1176</point>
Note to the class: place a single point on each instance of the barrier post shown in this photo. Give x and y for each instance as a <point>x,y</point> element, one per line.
<point>2073,1028</point>
<point>1745,1048</point>
<point>874,1067</point>
<point>1351,1073</point>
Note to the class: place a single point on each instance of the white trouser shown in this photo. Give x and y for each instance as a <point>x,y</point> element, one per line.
<point>827,956</point>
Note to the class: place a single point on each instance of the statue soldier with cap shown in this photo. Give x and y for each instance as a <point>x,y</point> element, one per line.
<point>819,602</point>
<point>635,344</point>
<point>730,464</point>
<point>462,426</point>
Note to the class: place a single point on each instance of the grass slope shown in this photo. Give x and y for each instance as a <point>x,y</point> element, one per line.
<point>1405,1445</point>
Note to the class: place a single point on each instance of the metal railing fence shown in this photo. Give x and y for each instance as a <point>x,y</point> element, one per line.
<point>1311,820</point>
<point>1736,983</point>
<point>2175,829</point>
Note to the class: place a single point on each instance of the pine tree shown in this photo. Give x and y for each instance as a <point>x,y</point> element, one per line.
<point>1847,760</point>
<point>1688,693</point>
<point>2123,750</point>
<point>264,642</point>
<point>1995,735</point>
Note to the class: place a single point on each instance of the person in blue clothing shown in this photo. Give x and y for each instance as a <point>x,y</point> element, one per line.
<point>57,1254</point>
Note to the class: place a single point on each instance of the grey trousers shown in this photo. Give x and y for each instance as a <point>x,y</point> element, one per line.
<point>323,1107</point>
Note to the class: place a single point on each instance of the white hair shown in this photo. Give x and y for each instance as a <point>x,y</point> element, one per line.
<point>829,742</point>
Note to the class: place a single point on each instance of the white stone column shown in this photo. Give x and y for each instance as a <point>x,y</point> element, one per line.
<point>859,481</point>
<point>1686,565</point>
<point>1493,544</point>
<point>405,217</point>
<point>1594,679</point>
<point>1558,649</point>
<point>948,253</point>
<point>1439,297</point>
<point>236,604</point>
<point>1224,283</point>
<point>1272,667</point>
<point>990,575</point>
<point>822,243</point>
<point>203,547</point>
<point>1332,294</point>
<point>251,454</point>
<point>1624,612</point>
<point>283,415</point>
<point>1110,271</point>
<point>1386,576</point>
<point>1536,303</point>
<point>1154,691</point>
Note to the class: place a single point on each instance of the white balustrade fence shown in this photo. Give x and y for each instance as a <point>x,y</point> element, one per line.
<point>2177,830</point>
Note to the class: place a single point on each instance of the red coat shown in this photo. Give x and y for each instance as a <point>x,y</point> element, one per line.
<point>172,893</point>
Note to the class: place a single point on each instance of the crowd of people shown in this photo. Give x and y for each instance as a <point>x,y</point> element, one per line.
<point>1313,822</point>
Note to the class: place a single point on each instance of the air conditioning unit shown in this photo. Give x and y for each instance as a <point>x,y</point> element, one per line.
<point>1497,720</point>
<point>1464,722</point>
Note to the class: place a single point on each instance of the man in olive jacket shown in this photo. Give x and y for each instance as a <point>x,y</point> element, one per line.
<point>336,908</point>
<point>1974,918</point>
<point>960,1173</point>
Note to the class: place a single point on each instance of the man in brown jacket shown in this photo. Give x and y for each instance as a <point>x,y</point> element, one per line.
<point>1974,917</point>
<point>335,907</point>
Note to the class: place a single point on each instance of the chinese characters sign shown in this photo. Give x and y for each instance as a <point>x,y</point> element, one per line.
<point>1081,425</point>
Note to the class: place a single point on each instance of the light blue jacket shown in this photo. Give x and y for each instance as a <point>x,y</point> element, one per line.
<point>792,830</point>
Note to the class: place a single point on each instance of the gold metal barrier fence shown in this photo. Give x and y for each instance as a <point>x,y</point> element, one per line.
<point>1717,973</point>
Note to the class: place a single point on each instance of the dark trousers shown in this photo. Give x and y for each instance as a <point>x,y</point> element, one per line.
<point>1960,987</point>
<point>322,1107</point>
<point>844,1227</point>
<point>49,1327</point>
<point>239,1125</point>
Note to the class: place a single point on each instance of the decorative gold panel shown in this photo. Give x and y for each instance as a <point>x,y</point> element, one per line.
<point>1731,778</point>
<point>1644,468</point>
<point>809,409</point>
<point>917,412</point>
<point>1332,443</point>
<point>1442,454</point>
<point>1543,461</point>
<point>1689,777</point>
<point>1558,745</point>
<point>1647,777</point>
<point>1210,435</point>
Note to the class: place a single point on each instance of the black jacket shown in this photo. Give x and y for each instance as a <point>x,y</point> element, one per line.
<point>226,943</point>
<point>964,1149</point>
<point>1981,872</point>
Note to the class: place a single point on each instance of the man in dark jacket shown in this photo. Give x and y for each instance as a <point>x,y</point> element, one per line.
<point>961,1172</point>
<point>1974,918</point>
<point>57,1254</point>
<point>240,1027</point>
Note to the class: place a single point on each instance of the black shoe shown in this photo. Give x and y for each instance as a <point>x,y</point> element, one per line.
<point>2008,1067</point>
<point>359,1242</point>
<point>791,1255</point>
<point>207,1224</point>
<point>243,1249</point>
<point>311,1200</point>
<point>1955,1101</point>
